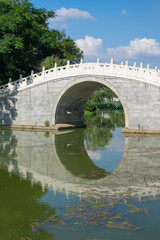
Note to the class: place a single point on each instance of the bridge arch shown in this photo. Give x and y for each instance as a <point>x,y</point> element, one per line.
<point>71,101</point>
<point>43,97</point>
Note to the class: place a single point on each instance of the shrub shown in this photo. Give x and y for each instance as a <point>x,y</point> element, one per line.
<point>91,107</point>
<point>110,106</point>
<point>47,134</point>
<point>47,123</point>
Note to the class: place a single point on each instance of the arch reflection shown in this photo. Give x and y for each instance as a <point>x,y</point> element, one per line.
<point>50,161</point>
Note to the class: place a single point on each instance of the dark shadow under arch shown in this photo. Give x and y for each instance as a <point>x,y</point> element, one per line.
<point>72,100</point>
<point>72,154</point>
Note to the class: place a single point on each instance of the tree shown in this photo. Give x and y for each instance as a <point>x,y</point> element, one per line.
<point>26,40</point>
<point>99,95</point>
<point>66,50</point>
<point>19,203</point>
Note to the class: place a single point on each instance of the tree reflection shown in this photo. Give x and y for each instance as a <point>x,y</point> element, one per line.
<point>118,118</point>
<point>8,111</point>
<point>8,149</point>
<point>19,198</point>
<point>99,128</point>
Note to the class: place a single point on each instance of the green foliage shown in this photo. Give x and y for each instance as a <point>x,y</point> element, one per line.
<point>49,62</point>
<point>26,40</point>
<point>47,134</point>
<point>90,106</point>
<point>47,123</point>
<point>66,50</point>
<point>99,95</point>
<point>100,211</point>
<point>110,106</point>
<point>87,113</point>
<point>96,100</point>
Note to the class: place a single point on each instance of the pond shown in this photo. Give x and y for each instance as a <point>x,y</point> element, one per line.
<point>80,184</point>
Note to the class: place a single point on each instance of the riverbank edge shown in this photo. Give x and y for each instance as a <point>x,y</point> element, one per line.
<point>59,126</point>
<point>63,126</point>
<point>139,131</point>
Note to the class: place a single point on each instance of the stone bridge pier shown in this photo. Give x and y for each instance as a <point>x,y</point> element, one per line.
<point>59,95</point>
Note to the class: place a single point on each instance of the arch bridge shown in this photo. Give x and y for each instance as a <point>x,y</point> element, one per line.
<point>59,95</point>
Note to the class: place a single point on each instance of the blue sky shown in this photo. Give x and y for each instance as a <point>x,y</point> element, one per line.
<point>122,29</point>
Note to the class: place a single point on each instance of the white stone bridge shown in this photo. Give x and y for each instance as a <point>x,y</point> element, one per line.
<point>59,95</point>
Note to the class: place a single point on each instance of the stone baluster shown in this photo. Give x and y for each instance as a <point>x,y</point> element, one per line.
<point>148,70</point>
<point>98,64</point>
<point>55,69</point>
<point>141,69</point>
<point>134,67</point>
<point>68,67</point>
<point>20,78</point>
<point>32,73</point>
<point>43,73</point>
<point>126,66</point>
<point>10,84</point>
<point>156,72</point>
<point>112,63</point>
<point>122,66</point>
<point>81,65</point>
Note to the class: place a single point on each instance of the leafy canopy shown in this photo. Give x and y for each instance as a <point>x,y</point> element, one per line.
<point>26,40</point>
<point>101,93</point>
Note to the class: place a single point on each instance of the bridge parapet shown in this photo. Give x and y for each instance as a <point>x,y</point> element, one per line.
<point>151,76</point>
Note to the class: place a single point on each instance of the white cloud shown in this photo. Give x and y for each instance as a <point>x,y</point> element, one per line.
<point>124,12</point>
<point>73,13</point>
<point>91,46</point>
<point>137,49</point>
<point>63,14</point>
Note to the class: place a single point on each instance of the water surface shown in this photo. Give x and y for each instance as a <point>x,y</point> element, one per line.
<point>88,183</point>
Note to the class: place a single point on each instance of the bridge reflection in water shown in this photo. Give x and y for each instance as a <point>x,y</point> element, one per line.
<point>60,161</point>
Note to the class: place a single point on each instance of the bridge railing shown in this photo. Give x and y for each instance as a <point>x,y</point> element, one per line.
<point>152,189</point>
<point>110,69</point>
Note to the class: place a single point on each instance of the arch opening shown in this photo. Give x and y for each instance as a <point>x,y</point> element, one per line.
<point>72,99</point>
